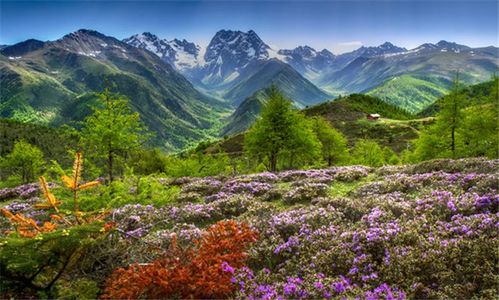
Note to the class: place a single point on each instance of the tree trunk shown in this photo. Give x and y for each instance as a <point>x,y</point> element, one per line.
<point>455,111</point>
<point>75,201</point>
<point>24,176</point>
<point>110,165</point>
<point>453,143</point>
<point>453,127</point>
<point>329,160</point>
<point>273,162</point>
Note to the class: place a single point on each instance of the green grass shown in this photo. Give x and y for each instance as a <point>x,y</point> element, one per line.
<point>343,189</point>
<point>408,92</point>
<point>144,191</point>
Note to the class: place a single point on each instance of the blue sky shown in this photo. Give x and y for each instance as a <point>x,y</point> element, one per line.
<point>336,25</point>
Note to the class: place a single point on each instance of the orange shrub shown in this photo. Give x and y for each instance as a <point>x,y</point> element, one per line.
<point>194,272</point>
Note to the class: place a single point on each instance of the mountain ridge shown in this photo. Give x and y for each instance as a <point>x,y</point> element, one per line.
<point>227,64</point>
<point>163,78</point>
<point>40,84</point>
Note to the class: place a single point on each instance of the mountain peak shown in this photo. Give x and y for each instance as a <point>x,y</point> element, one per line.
<point>150,35</point>
<point>385,48</point>
<point>22,48</point>
<point>445,43</point>
<point>307,60</point>
<point>442,46</point>
<point>326,52</point>
<point>305,51</point>
<point>237,46</point>
<point>182,54</point>
<point>387,45</point>
<point>85,32</point>
<point>451,46</point>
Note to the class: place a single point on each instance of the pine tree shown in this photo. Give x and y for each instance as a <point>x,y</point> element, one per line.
<point>281,132</point>
<point>449,117</point>
<point>113,129</point>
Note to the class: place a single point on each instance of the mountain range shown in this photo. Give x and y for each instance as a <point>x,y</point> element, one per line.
<point>183,89</point>
<point>233,66</point>
<point>52,82</point>
<point>422,74</point>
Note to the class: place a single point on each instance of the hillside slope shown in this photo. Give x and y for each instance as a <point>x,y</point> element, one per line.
<point>38,135</point>
<point>478,94</point>
<point>38,83</point>
<point>245,114</point>
<point>410,92</point>
<point>284,77</point>
<point>396,128</point>
<point>427,71</point>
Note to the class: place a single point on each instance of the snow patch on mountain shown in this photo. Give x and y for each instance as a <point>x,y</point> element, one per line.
<point>179,53</point>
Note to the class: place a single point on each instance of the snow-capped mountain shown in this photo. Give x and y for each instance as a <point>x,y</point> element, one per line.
<point>344,59</point>
<point>181,54</point>
<point>231,55</point>
<point>234,64</point>
<point>421,74</point>
<point>228,58</point>
<point>442,46</point>
<point>238,46</point>
<point>233,67</point>
<point>306,60</point>
<point>314,64</point>
<point>385,48</point>
<point>80,63</point>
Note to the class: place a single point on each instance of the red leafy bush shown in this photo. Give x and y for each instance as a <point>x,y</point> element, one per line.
<point>194,272</point>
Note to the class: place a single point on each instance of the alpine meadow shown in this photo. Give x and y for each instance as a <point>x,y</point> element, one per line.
<point>249,149</point>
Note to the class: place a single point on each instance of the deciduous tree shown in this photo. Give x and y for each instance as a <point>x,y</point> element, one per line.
<point>334,144</point>
<point>25,161</point>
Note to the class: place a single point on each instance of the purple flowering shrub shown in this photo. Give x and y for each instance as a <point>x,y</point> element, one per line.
<point>417,231</point>
<point>255,188</point>
<point>351,173</point>
<point>394,246</point>
<point>189,197</point>
<point>24,191</point>
<point>467,165</point>
<point>306,192</point>
<point>205,186</point>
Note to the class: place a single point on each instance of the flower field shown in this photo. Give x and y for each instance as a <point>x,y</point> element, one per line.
<point>428,230</point>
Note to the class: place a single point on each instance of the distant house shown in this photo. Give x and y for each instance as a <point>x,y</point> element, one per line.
<point>373,117</point>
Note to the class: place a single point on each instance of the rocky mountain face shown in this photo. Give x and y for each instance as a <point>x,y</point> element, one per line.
<point>22,48</point>
<point>238,64</point>
<point>50,82</point>
<point>234,60</point>
<point>181,54</point>
<point>233,65</point>
<point>309,62</point>
<point>230,54</point>
<point>168,80</point>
